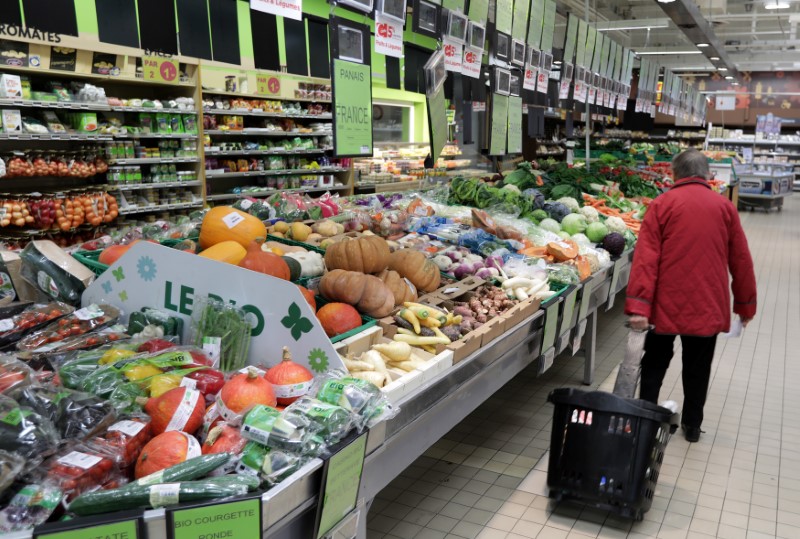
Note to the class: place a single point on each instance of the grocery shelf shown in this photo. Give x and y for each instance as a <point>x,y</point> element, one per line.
<point>756,142</point>
<point>265,97</point>
<point>55,136</point>
<point>282,172</point>
<point>264,133</point>
<point>262,114</point>
<point>154,161</point>
<point>263,192</point>
<point>189,136</point>
<point>225,153</point>
<point>160,207</point>
<point>92,107</point>
<point>138,186</point>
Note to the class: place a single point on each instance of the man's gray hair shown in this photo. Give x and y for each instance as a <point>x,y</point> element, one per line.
<point>690,163</point>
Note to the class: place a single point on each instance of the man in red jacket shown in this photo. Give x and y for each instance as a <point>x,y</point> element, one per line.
<point>690,239</point>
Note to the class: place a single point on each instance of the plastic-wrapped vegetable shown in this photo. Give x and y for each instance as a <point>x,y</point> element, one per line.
<point>75,414</point>
<point>327,421</point>
<point>268,426</point>
<point>79,322</point>
<point>25,432</point>
<point>224,329</point>
<point>271,465</point>
<point>139,321</point>
<point>34,317</point>
<point>85,341</point>
<point>14,375</point>
<point>562,274</point>
<point>31,506</point>
<point>359,397</point>
<point>11,465</point>
<point>123,441</point>
<point>79,469</point>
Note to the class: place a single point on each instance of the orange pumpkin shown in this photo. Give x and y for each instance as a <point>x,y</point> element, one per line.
<point>167,411</point>
<point>310,298</point>
<point>111,254</point>
<point>368,254</point>
<point>165,450</point>
<point>563,250</point>
<point>224,223</point>
<point>265,262</point>
<point>242,392</point>
<point>338,318</point>
<point>224,439</point>
<point>415,266</point>
<point>289,379</point>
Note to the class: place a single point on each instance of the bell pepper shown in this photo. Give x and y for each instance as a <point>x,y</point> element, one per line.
<point>155,345</point>
<point>141,372</point>
<point>114,355</point>
<point>209,381</point>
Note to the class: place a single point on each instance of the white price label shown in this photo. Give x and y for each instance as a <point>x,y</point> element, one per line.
<point>131,428</point>
<point>80,460</point>
<point>166,494</point>
<point>89,313</point>
<point>233,219</point>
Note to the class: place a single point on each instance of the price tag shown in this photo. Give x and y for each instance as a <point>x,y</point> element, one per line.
<point>586,298</point>
<point>546,361</point>
<point>550,325</point>
<point>127,529</point>
<point>578,337</point>
<point>340,487</point>
<point>569,306</point>
<point>231,520</point>
<point>160,69</point>
<point>268,85</point>
<point>612,291</point>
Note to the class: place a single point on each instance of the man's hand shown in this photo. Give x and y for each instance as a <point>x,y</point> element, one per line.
<point>639,323</point>
<point>745,321</point>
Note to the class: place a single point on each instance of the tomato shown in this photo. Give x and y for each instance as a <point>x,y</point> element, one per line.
<point>155,345</point>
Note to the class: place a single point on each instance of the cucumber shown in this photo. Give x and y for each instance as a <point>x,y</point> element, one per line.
<point>185,471</point>
<point>132,497</point>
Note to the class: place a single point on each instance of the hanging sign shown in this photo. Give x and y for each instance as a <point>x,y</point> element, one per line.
<point>529,82</point>
<point>514,124</point>
<point>519,23</point>
<point>503,15</point>
<point>535,24</point>
<point>158,69</point>
<point>453,56</point>
<point>471,64</point>
<point>497,144</point>
<point>541,81</point>
<point>352,105</point>
<point>63,58</point>
<point>478,11</point>
<point>268,85</point>
<point>232,520</point>
<point>292,9</point>
<point>453,5</point>
<point>437,120</point>
<point>725,102</point>
<point>340,485</point>
<point>388,37</point>
<point>151,275</point>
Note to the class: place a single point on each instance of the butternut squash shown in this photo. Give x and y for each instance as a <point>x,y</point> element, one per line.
<point>226,251</point>
<point>224,223</point>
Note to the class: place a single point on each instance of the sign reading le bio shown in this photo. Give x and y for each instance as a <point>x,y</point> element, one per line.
<point>150,275</point>
<point>352,106</point>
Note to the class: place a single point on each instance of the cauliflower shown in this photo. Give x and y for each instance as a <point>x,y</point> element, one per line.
<point>615,224</point>
<point>591,214</point>
<point>570,203</point>
<point>512,187</point>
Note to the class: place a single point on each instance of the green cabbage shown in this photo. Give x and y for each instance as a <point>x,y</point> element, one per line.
<point>551,225</point>
<point>574,223</point>
<point>596,232</point>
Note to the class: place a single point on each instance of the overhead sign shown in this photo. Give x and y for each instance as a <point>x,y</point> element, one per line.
<point>292,9</point>
<point>437,121</point>
<point>453,55</point>
<point>514,124</point>
<point>352,106</point>
<point>158,69</point>
<point>268,85</point>
<point>725,102</point>
<point>471,64</point>
<point>388,37</point>
<point>154,276</point>
<point>497,143</point>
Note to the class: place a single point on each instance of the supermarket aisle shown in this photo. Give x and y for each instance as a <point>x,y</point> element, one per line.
<point>487,478</point>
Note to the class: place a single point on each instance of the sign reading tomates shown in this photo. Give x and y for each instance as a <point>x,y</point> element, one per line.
<point>352,106</point>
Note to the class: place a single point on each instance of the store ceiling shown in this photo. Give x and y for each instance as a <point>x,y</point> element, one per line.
<point>752,37</point>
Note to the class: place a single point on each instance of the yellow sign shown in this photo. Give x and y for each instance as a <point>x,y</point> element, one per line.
<point>268,85</point>
<point>158,69</point>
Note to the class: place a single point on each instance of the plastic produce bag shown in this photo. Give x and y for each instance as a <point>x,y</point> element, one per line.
<point>269,427</point>
<point>75,414</point>
<point>11,465</point>
<point>327,421</point>
<point>361,398</point>
<point>54,272</point>
<point>79,322</point>
<point>223,331</point>
<point>14,375</point>
<point>123,441</point>
<point>562,274</point>
<point>26,433</point>
<point>31,506</point>
<point>271,465</point>
<point>77,469</point>
<point>140,321</point>
<point>32,318</point>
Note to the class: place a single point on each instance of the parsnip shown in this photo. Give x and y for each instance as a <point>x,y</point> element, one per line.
<point>413,340</point>
<point>396,351</point>
<point>373,377</point>
<point>354,365</point>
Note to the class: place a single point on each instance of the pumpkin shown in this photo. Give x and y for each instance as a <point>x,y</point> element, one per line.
<point>310,298</point>
<point>401,288</point>
<point>368,254</point>
<point>583,266</point>
<point>180,408</point>
<point>241,393</point>
<point>563,250</point>
<point>224,223</point>
<point>226,251</point>
<point>366,292</point>
<point>295,270</point>
<point>338,318</point>
<point>263,262</point>
<point>224,439</point>
<point>165,450</point>
<point>415,266</point>
<point>111,254</point>
<point>290,380</point>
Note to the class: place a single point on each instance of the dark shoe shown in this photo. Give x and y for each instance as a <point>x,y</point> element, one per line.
<point>692,434</point>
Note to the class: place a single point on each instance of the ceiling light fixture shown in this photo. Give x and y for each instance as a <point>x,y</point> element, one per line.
<point>722,69</point>
<point>701,45</point>
<point>713,58</point>
<point>776,4</point>
<point>637,24</point>
<point>557,62</point>
<point>666,53</point>
<point>728,78</point>
<point>665,1</point>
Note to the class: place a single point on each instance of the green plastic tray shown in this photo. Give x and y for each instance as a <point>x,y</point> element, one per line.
<point>367,322</point>
<point>294,243</point>
<point>89,258</point>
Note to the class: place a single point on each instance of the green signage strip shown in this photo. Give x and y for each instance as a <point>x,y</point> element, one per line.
<point>550,326</point>
<point>600,38</point>
<point>603,69</point>
<point>548,25</point>
<point>569,307</point>
<point>478,11</point>
<point>535,24</point>
<point>618,63</point>
<point>232,520</point>
<point>518,29</point>
<point>504,15</point>
<point>570,41</point>
<point>454,5</point>
<point>514,124</point>
<point>342,481</point>
<point>437,121</point>
<point>580,49</point>
<point>591,39</point>
<point>586,298</point>
<point>352,105</point>
<point>497,143</point>
<point>127,529</point>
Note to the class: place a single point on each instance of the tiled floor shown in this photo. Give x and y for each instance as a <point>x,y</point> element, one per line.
<point>487,477</point>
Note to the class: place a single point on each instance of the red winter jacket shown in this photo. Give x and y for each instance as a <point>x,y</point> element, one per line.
<point>690,238</point>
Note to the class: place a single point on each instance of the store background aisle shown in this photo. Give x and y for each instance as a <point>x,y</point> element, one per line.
<point>487,477</point>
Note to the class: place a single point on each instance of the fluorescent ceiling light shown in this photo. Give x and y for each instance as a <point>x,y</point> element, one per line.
<point>637,24</point>
<point>713,58</point>
<point>667,53</point>
<point>729,77</point>
<point>776,4</point>
<point>701,45</point>
<point>722,69</point>
<point>665,1</point>
<point>557,62</point>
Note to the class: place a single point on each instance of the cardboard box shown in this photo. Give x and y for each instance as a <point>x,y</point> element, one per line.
<point>522,310</point>
<point>12,121</point>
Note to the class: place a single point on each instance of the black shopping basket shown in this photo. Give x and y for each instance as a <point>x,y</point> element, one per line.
<point>606,450</point>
